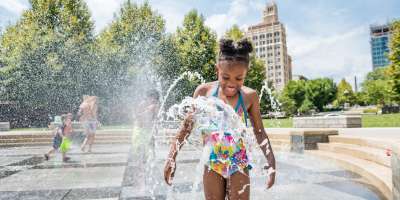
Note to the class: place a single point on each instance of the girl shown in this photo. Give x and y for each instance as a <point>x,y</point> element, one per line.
<point>88,113</point>
<point>225,179</point>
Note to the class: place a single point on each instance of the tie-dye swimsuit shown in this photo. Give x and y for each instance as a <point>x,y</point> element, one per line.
<point>228,154</point>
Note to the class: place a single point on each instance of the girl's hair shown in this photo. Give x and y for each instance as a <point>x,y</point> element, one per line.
<point>63,118</point>
<point>235,51</point>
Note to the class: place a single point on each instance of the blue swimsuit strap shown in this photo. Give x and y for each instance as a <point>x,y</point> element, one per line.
<point>239,103</point>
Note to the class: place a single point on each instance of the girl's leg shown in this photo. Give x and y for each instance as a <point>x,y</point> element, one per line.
<point>85,141</point>
<point>47,155</point>
<point>214,185</point>
<point>91,141</point>
<point>239,186</point>
<point>51,151</point>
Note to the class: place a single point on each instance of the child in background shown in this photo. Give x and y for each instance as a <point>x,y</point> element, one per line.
<point>57,140</point>
<point>88,118</point>
<point>66,140</point>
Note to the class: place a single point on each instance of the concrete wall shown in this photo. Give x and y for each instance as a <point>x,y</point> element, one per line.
<point>4,126</point>
<point>304,139</point>
<point>396,171</point>
<point>327,122</point>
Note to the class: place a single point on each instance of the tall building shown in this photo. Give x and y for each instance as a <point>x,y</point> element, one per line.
<point>380,37</point>
<point>269,39</point>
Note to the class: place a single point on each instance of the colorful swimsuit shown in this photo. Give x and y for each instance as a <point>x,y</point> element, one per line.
<point>228,154</point>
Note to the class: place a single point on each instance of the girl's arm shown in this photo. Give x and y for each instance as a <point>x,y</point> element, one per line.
<point>187,126</point>
<point>261,136</point>
<point>176,145</point>
<point>180,139</point>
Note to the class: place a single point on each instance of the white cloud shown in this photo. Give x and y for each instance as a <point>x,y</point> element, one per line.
<point>103,11</point>
<point>173,12</point>
<point>223,21</point>
<point>339,55</point>
<point>13,6</point>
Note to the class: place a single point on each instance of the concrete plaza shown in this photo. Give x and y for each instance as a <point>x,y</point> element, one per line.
<point>113,171</point>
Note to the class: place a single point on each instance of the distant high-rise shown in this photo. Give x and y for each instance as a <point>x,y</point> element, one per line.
<point>380,37</point>
<point>269,39</point>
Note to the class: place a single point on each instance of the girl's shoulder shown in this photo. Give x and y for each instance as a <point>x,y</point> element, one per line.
<point>204,89</point>
<point>249,94</point>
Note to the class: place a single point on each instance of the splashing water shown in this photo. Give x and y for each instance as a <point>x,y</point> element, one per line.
<point>190,76</point>
<point>275,104</point>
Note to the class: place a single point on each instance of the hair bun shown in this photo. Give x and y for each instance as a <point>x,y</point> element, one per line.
<point>227,47</point>
<point>244,47</point>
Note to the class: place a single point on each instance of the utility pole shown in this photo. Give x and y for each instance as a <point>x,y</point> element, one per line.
<point>355,84</point>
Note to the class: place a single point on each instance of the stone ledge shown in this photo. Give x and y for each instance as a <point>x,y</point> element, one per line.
<point>327,122</point>
<point>396,170</point>
<point>4,126</point>
<point>301,140</point>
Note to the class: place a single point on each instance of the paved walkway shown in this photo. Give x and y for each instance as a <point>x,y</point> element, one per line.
<point>389,134</point>
<point>114,172</point>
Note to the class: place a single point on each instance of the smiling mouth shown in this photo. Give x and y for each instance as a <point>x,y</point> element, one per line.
<point>231,90</point>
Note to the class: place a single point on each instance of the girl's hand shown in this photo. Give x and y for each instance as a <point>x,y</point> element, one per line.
<point>271,179</point>
<point>169,170</point>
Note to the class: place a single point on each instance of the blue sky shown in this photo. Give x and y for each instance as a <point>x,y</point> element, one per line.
<point>326,38</point>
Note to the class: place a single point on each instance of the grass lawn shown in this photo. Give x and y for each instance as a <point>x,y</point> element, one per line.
<point>387,120</point>
<point>29,129</point>
<point>115,127</point>
<point>278,123</point>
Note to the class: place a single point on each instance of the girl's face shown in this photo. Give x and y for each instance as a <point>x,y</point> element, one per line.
<point>68,122</point>
<point>231,76</point>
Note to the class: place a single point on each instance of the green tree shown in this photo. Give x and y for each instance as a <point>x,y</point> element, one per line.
<point>196,45</point>
<point>375,87</point>
<point>134,50</point>
<point>320,92</point>
<point>288,105</point>
<point>344,94</point>
<point>394,69</point>
<point>296,90</point>
<point>306,107</point>
<point>47,55</point>
<point>234,33</point>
